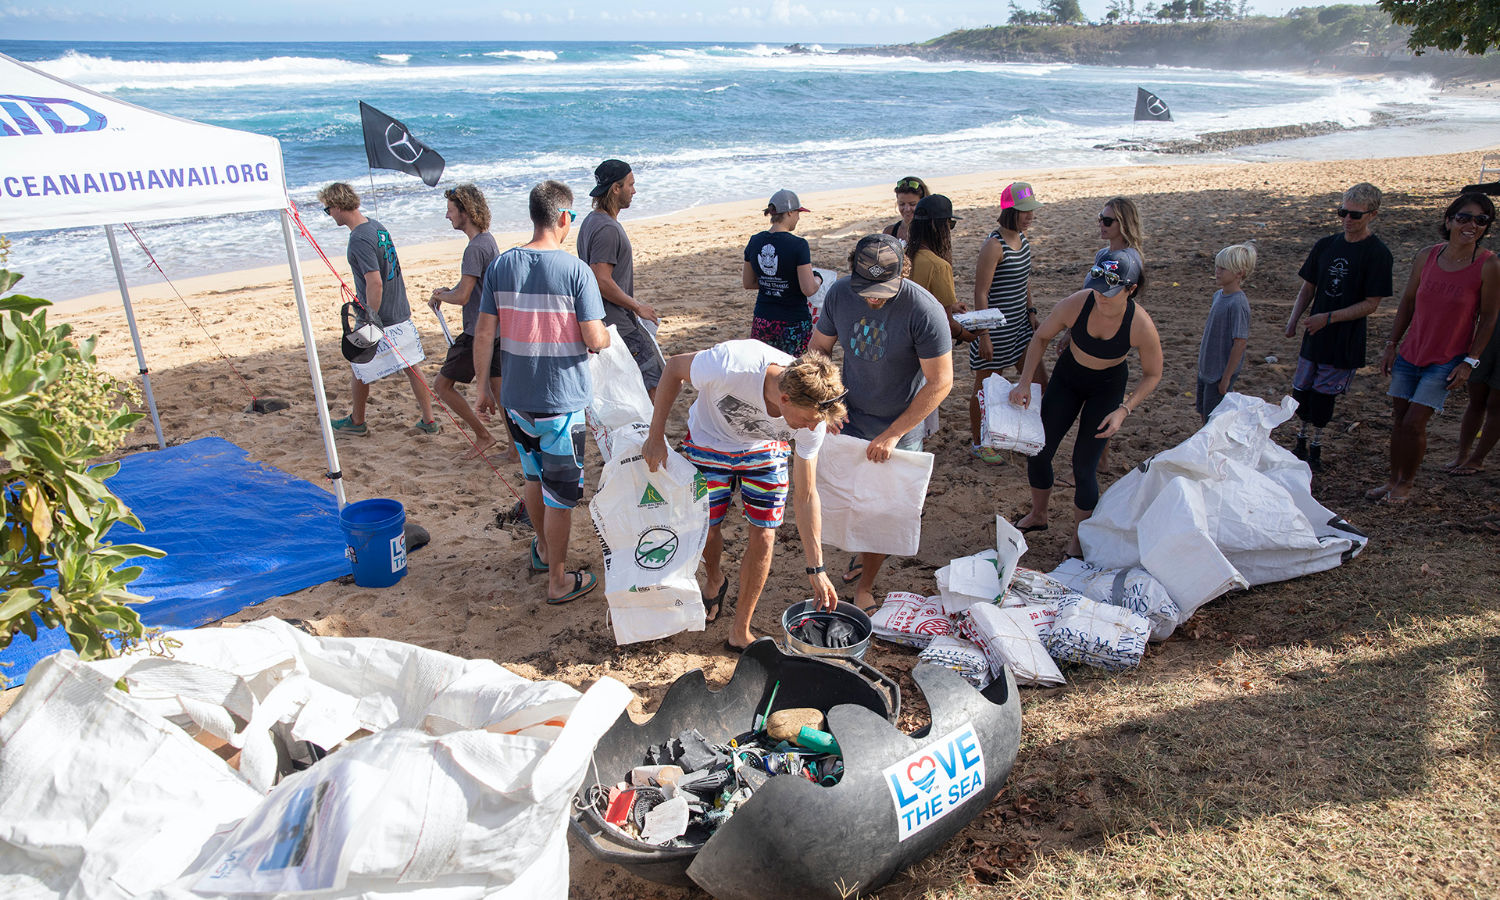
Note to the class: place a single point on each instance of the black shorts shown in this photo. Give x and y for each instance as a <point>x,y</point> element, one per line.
<point>459,365</point>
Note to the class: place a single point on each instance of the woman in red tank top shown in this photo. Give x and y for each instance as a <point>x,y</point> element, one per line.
<point>1444,323</point>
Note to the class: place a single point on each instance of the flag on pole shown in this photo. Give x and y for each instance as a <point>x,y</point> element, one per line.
<point>390,145</point>
<point>1150,106</point>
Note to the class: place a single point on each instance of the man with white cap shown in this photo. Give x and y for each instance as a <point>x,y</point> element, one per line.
<point>604,245</point>
<point>778,267</point>
<point>894,335</point>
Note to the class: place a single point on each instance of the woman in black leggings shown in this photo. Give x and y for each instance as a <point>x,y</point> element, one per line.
<point>1088,383</point>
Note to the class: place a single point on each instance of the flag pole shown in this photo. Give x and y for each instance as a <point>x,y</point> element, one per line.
<point>371,173</point>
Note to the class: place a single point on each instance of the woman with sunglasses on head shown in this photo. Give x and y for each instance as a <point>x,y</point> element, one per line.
<point>1445,321</point>
<point>754,405</point>
<point>1120,228</point>
<point>909,192</point>
<point>1088,383</point>
<point>1344,278</point>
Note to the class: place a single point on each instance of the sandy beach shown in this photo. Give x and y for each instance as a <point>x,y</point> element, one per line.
<point>470,593</point>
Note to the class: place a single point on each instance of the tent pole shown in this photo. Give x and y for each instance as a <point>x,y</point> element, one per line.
<point>135,336</point>
<point>308,341</point>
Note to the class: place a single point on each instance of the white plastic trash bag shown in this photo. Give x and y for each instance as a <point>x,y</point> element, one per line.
<point>1009,638</point>
<point>620,399</point>
<point>401,348</point>
<point>969,580</point>
<point>959,655</point>
<point>1226,509</point>
<point>815,302</point>
<point>1134,589</point>
<point>1097,634</point>
<point>652,527</point>
<point>1005,426</point>
<point>448,777</point>
<point>910,619</point>
<point>871,507</point>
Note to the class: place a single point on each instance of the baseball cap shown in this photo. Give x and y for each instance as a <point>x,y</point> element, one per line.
<point>1118,270</point>
<point>361,341</point>
<point>1019,196</point>
<point>934,207</point>
<point>877,266</point>
<point>784,201</point>
<point>607,173</point>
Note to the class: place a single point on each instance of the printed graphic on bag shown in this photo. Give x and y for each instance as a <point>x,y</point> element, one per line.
<point>700,486</point>
<point>651,496</point>
<point>655,548</point>
<point>934,781</point>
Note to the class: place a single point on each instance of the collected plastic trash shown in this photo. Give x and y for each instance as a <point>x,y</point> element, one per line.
<point>620,402</point>
<point>960,655</point>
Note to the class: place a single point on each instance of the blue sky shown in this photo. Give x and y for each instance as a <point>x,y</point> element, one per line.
<point>782,21</point>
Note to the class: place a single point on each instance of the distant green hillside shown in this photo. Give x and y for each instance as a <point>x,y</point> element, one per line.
<point>1351,38</point>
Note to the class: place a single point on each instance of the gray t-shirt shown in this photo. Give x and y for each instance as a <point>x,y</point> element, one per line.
<point>883,349</point>
<point>1228,321</point>
<point>602,239</point>
<point>372,250</point>
<point>481,251</point>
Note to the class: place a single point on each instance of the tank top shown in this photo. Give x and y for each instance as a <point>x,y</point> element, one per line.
<point>1443,316</point>
<point>1008,294</point>
<point>1103,348</point>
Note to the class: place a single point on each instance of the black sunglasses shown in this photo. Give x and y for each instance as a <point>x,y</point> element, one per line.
<point>1480,219</point>
<point>1107,221</point>
<point>825,405</point>
<point>1354,214</point>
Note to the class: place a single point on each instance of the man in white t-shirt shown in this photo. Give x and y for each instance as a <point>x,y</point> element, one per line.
<point>755,403</point>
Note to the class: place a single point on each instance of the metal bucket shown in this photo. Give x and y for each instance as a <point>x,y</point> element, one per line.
<point>847,611</point>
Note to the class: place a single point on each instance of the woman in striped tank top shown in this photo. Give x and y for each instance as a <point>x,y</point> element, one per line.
<point>1002,279</point>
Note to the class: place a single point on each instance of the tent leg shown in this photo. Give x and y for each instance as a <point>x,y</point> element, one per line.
<point>308,341</point>
<point>135,336</point>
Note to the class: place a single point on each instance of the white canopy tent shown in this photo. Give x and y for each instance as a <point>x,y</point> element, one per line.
<point>70,157</point>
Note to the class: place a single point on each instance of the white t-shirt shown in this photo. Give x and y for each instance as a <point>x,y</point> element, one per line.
<point>730,412</point>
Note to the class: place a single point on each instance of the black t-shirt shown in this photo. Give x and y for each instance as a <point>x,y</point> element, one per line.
<point>775,256</point>
<point>1343,274</point>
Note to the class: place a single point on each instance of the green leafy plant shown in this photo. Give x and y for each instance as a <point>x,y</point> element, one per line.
<point>58,411</point>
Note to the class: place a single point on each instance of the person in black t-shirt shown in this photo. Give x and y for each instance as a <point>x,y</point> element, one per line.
<point>778,267</point>
<point>1343,281</point>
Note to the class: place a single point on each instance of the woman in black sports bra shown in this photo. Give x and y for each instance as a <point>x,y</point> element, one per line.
<point>1088,383</point>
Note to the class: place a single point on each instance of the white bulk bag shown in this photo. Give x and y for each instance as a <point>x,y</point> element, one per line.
<point>1005,426</point>
<point>620,399</point>
<point>652,527</point>
<point>1133,589</point>
<point>910,619</point>
<point>1227,508</point>
<point>401,348</point>
<point>1010,639</point>
<point>871,507</point>
<point>1097,634</point>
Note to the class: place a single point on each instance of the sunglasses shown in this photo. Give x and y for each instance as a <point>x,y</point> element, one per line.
<point>1354,214</point>
<point>1480,219</point>
<point>1110,278</point>
<point>908,184</point>
<point>327,210</point>
<point>1107,221</point>
<point>572,216</point>
<point>826,405</point>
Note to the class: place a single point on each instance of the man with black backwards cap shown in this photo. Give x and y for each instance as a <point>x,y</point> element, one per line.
<point>603,244</point>
<point>894,334</point>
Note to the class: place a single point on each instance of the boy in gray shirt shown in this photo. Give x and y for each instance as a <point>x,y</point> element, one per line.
<point>1227,330</point>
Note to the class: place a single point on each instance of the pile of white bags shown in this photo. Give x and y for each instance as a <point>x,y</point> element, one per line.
<point>451,778</point>
<point>1005,426</point>
<point>652,527</point>
<point>910,619</point>
<point>620,401</point>
<point>959,655</point>
<point>1097,634</point>
<point>871,507</point>
<point>1012,637</point>
<point>1224,510</point>
<point>1133,589</point>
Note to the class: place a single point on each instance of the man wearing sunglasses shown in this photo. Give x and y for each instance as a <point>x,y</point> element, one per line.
<point>544,304</point>
<point>604,245</point>
<point>1344,279</point>
<point>755,404</point>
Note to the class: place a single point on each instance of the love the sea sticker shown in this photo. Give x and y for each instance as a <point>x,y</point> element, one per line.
<point>935,780</point>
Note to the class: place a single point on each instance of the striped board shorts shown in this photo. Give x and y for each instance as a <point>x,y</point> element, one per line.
<point>551,449</point>
<point>762,476</point>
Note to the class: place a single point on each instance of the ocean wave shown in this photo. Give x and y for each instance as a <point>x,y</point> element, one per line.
<point>399,59</point>
<point>529,55</point>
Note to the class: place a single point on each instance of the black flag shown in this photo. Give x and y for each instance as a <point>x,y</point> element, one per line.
<point>1147,106</point>
<point>390,145</point>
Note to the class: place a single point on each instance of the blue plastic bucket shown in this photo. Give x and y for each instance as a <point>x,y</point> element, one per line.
<point>376,532</point>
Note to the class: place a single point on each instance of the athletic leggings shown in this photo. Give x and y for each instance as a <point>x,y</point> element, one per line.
<point>1074,389</point>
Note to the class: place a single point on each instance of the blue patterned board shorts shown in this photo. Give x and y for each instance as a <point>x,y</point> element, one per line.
<point>788,337</point>
<point>551,449</point>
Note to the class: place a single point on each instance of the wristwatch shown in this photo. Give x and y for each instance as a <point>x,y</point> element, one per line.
<point>1472,361</point>
<point>815,570</point>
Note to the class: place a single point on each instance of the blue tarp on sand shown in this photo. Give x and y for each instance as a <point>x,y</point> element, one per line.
<point>236,533</point>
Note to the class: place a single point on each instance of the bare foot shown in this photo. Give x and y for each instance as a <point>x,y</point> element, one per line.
<point>865,600</point>
<point>480,448</point>
<point>1397,495</point>
<point>1377,493</point>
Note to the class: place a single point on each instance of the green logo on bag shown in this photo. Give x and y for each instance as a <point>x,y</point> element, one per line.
<point>700,486</point>
<point>656,548</point>
<point>652,497</point>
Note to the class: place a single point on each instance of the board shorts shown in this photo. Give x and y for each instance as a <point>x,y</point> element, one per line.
<point>551,450</point>
<point>459,364</point>
<point>789,337</point>
<point>1311,376</point>
<point>762,475</point>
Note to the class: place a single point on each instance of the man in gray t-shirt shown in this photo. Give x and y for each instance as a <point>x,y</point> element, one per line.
<point>381,294</point>
<point>604,245</point>
<point>470,213</point>
<point>894,334</point>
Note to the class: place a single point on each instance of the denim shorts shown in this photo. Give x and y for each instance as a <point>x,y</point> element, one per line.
<point>1427,385</point>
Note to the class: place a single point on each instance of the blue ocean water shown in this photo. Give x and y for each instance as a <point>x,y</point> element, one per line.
<point>701,123</point>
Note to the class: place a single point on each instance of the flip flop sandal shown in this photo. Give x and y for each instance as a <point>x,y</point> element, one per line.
<point>854,571</point>
<point>1028,529</point>
<point>712,608</point>
<point>536,560</point>
<point>1464,471</point>
<point>579,588</point>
